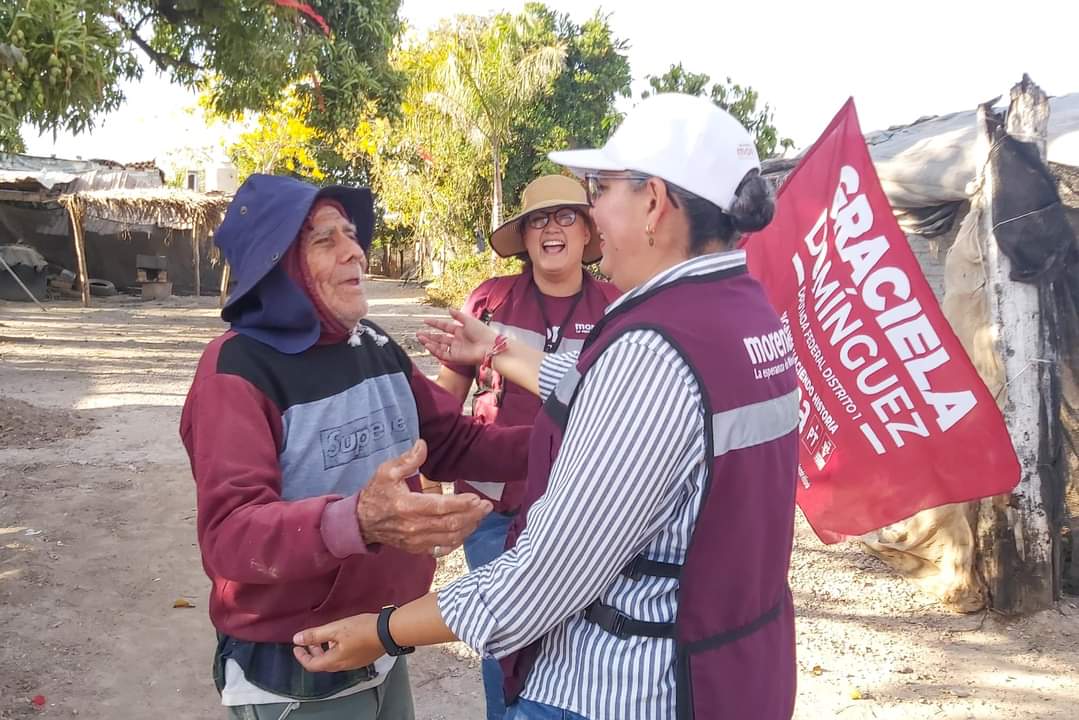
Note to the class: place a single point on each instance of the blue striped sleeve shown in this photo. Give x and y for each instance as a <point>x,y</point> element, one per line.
<point>553,367</point>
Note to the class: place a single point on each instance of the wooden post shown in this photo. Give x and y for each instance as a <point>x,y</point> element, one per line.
<point>196,258</point>
<point>74,210</point>
<point>226,275</point>
<point>18,280</point>
<point>1014,538</point>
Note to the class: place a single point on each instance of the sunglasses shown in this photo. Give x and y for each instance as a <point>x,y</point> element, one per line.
<point>594,184</point>
<point>563,217</point>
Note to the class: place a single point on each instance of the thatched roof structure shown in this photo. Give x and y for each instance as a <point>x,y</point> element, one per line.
<point>164,207</point>
<point>132,195</point>
<point>108,198</point>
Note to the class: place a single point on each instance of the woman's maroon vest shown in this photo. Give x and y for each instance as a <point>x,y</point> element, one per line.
<point>734,629</point>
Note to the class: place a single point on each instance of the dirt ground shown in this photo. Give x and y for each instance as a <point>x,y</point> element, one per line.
<point>97,542</point>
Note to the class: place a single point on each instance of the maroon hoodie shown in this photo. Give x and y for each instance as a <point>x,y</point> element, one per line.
<point>280,446</point>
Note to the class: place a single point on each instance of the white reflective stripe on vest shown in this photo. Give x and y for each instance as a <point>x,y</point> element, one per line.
<point>754,424</point>
<point>495,490</point>
<point>533,339</point>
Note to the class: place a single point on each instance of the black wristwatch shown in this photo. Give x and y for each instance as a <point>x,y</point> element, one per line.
<point>392,648</point>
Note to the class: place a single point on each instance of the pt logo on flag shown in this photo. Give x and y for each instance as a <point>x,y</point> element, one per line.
<point>893,417</point>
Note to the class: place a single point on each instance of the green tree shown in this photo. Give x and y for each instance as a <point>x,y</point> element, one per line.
<point>739,100</point>
<point>488,79</point>
<point>579,111</point>
<point>430,180</point>
<point>281,142</point>
<point>435,182</point>
<point>60,63</point>
<point>434,179</point>
<point>247,52</point>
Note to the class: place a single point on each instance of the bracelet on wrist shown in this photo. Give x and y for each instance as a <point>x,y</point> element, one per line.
<point>499,346</point>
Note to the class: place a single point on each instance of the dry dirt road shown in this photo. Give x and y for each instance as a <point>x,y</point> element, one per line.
<point>97,542</point>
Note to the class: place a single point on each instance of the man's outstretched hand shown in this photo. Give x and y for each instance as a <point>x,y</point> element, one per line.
<point>391,514</point>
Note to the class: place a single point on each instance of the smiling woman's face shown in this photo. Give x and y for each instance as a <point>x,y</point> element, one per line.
<point>556,248</point>
<point>337,264</point>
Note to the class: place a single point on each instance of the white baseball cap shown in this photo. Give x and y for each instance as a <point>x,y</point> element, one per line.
<point>683,139</point>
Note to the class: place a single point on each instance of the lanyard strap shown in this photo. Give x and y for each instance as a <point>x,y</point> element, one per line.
<point>550,344</point>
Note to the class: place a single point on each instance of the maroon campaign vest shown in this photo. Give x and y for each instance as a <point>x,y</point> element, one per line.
<point>734,628</point>
<point>510,303</point>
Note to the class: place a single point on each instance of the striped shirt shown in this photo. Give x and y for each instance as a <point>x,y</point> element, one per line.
<point>628,479</point>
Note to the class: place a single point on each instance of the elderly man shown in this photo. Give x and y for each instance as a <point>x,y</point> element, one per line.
<point>303,427</point>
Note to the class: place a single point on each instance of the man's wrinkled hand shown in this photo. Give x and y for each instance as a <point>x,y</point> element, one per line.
<point>391,514</point>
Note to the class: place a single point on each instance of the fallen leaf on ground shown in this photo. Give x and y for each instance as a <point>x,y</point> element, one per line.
<point>182,603</point>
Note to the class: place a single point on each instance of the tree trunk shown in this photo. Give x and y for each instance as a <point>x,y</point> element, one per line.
<point>1015,547</point>
<point>496,200</point>
<point>496,187</point>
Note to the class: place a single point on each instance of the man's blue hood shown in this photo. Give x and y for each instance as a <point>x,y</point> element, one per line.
<point>261,223</point>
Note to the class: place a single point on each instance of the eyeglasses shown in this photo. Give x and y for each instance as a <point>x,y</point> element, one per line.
<point>593,184</point>
<point>563,217</point>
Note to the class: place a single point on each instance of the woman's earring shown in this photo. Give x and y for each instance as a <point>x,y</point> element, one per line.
<point>650,232</point>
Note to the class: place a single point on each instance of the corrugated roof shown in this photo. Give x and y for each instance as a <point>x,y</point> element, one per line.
<point>29,172</point>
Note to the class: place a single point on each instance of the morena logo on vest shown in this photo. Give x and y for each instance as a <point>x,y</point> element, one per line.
<point>770,346</point>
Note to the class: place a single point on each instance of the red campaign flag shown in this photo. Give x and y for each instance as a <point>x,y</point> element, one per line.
<point>894,419</point>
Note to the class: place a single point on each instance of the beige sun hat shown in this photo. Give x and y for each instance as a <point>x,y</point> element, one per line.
<point>546,191</point>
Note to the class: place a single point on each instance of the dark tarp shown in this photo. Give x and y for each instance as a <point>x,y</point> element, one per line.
<point>109,255</point>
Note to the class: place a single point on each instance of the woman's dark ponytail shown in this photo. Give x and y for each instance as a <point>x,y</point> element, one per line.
<point>754,204</point>
<point>752,209</point>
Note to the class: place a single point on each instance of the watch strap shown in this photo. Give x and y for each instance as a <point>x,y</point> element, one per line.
<point>383,625</point>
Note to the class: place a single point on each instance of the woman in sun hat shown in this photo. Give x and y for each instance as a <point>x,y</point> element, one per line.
<point>648,575</point>
<point>550,306</point>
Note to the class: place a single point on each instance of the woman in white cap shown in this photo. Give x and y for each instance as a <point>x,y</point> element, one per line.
<point>551,307</point>
<point>649,573</point>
